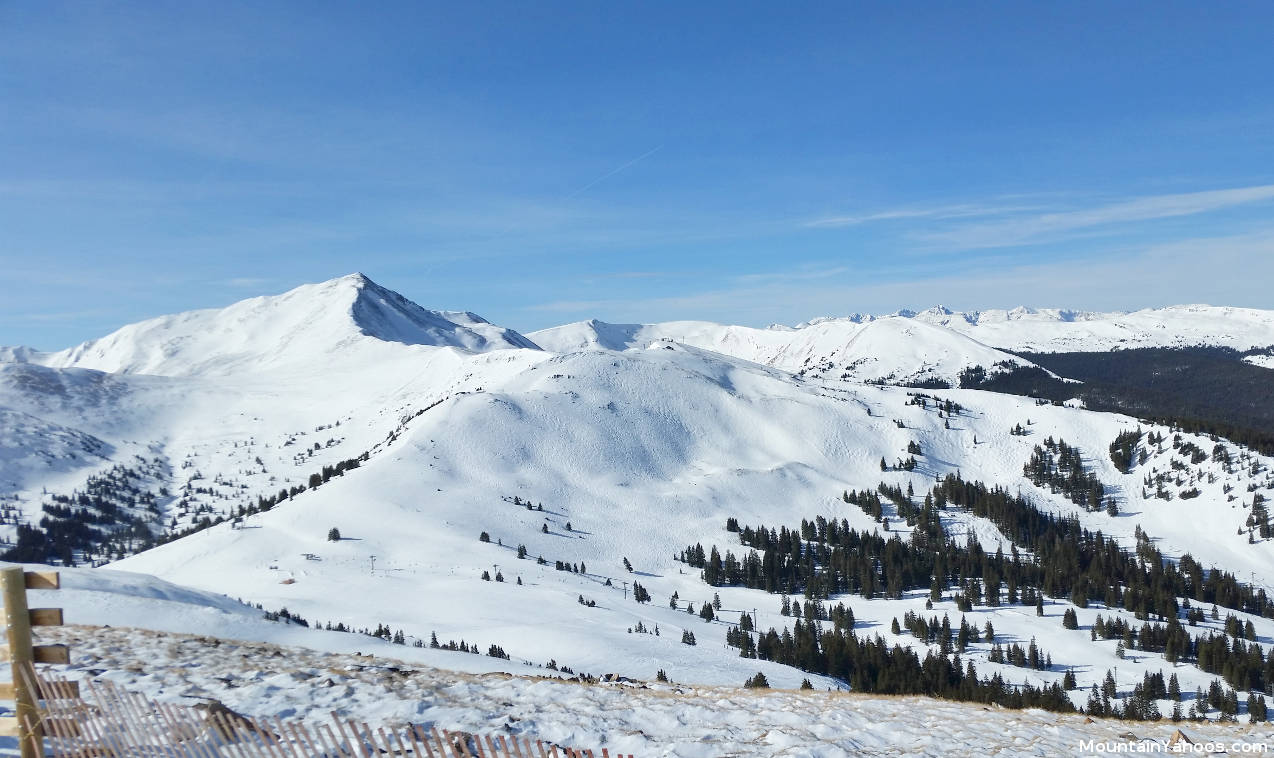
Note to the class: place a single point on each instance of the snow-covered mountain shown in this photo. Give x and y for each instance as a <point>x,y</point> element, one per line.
<point>441,447</point>
<point>889,350</point>
<point>1052,330</point>
<point>911,347</point>
<point>343,319</point>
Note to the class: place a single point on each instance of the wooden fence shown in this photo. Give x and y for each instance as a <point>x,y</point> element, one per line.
<point>110,722</point>
<point>52,720</point>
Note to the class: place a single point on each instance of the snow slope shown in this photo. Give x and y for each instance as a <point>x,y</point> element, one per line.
<point>187,647</point>
<point>642,452</point>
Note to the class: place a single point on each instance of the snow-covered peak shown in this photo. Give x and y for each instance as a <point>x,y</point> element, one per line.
<point>313,323</point>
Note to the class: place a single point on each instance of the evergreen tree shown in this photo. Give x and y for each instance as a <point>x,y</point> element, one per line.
<point>757,682</point>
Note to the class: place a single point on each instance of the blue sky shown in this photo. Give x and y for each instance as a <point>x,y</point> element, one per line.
<point>539,163</point>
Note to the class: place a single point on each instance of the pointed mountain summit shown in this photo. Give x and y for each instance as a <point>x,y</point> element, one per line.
<point>350,317</point>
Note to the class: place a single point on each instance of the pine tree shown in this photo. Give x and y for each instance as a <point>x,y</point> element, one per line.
<point>334,535</point>
<point>757,682</point>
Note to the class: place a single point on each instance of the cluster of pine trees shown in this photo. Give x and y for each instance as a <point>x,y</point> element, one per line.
<point>114,515</point>
<point>1124,447</point>
<point>1061,467</point>
<point>872,665</point>
<point>826,557</point>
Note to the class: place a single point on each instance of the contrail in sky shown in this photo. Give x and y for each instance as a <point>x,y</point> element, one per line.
<point>606,176</point>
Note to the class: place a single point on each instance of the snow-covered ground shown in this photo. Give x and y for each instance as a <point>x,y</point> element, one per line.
<point>644,718</point>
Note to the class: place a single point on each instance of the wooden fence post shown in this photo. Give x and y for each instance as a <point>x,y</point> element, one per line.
<point>13,586</point>
<point>27,724</point>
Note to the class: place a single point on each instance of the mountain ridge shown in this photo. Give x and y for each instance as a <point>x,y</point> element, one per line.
<point>347,314</point>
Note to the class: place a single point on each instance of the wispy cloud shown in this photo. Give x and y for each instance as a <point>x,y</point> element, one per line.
<point>245,282</point>
<point>803,274</point>
<point>936,212</point>
<point>59,317</point>
<point>1048,227</point>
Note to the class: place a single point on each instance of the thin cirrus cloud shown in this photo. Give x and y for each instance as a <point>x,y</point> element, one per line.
<point>1008,225</point>
<point>1047,227</point>
<point>895,214</point>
